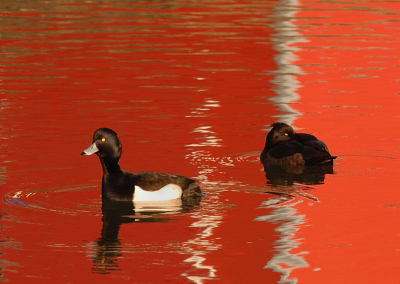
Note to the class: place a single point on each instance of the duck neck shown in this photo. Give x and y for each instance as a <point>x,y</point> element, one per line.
<point>266,147</point>
<point>110,165</point>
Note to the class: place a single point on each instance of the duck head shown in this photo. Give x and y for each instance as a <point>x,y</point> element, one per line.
<point>105,144</point>
<point>280,132</point>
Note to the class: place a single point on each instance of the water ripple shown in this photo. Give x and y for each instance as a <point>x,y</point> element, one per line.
<point>54,199</point>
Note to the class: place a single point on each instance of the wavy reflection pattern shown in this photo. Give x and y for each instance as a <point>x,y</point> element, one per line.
<point>285,214</point>
<point>283,41</point>
<point>203,244</point>
<point>286,86</point>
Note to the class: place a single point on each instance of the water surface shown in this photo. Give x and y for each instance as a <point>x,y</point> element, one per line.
<point>191,88</point>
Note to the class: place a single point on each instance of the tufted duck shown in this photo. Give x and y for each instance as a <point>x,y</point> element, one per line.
<point>285,147</point>
<point>141,186</point>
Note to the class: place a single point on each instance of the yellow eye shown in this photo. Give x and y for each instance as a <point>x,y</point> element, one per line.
<point>286,134</point>
<point>103,139</point>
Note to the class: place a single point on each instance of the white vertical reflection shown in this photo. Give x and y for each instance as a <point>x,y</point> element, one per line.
<point>203,242</point>
<point>283,40</point>
<point>285,214</point>
<point>199,246</point>
<point>286,86</point>
<point>206,138</point>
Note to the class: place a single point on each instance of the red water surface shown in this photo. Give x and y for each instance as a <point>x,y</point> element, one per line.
<point>191,88</point>
<point>351,93</point>
<point>169,79</point>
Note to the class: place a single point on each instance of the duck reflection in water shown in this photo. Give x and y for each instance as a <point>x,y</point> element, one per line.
<point>133,197</point>
<point>283,175</point>
<point>107,249</point>
<point>289,157</point>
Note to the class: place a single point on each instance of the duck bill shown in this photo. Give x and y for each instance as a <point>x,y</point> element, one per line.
<point>91,150</point>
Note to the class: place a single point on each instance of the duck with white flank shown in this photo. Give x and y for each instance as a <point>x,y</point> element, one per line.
<point>141,186</point>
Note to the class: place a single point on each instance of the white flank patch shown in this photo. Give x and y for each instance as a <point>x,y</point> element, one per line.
<point>168,192</point>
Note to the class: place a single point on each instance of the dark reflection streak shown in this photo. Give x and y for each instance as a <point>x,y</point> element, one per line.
<point>293,181</point>
<point>288,175</point>
<point>108,247</point>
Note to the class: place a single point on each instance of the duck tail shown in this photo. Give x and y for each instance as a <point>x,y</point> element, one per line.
<point>320,160</point>
<point>192,190</point>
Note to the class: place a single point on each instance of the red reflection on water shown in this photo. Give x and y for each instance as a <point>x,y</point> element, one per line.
<point>349,97</point>
<point>187,89</point>
<point>173,83</point>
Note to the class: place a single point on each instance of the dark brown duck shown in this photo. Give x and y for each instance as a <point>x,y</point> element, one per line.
<point>283,146</point>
